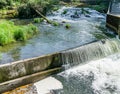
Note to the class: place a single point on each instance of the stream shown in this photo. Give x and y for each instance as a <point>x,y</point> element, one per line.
<point>90,76</point>
<point>85,28</point>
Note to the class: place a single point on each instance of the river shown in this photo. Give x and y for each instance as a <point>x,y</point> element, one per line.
<point>90,69</point>
<point>85,28</point>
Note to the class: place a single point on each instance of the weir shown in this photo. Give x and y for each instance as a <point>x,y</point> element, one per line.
<point>90,52</point>
<point>31,70</point>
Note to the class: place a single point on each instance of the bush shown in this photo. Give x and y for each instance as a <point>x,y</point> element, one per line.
<point>20,35</point>
<point>11,33</point>
<point>27,11</point>
<point>101,7</point>
<point>4,3</point>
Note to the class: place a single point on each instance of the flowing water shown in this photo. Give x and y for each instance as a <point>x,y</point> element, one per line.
<point>91,69</point>
<point>90,52</point>
<point>87,25</point>
<point>96,77</point>
<point>115,8</point>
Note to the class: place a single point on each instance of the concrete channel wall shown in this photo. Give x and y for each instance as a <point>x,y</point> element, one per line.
<point>113,21</point>
<point>28,71</point>
<point>113,16</point>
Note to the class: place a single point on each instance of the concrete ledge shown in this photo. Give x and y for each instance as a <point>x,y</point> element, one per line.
<point>115,15</point>
<point>9,85</point>
<point>112,27</point>
<point>29,66</point>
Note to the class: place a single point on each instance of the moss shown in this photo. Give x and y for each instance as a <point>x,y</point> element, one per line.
<point>55,23</point>
<point>55,8</point>
<point>38,20</point>
<point>64,12</point>
<point>3,76</point>
<point>84,11</point>
<point>68,26</point>
<point>11,33</point>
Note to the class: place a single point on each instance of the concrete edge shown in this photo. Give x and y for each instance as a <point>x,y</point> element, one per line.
<point>24,60</point>
<point>118,16</point>
<point>29,66</point>
<point>10,85</point>
<point>112,27</point>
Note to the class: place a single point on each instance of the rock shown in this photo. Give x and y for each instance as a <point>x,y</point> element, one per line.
<point>63,21</point>
<point>87,15</point>
<point>75,16</point>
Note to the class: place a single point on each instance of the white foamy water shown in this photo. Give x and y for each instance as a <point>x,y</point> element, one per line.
<point>96,77</point>
<point>72,14</point>
<point>46,85</point>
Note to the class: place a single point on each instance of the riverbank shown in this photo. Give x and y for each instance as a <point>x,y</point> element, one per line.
<point>11,33</point>
<point>26,9</point>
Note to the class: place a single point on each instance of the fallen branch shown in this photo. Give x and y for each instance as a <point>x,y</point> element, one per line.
<point>42,15</point>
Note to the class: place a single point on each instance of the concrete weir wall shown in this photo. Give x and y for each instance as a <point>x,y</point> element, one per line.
<point>113,16</point>
<point>113,21</point>
<point>28,71</point>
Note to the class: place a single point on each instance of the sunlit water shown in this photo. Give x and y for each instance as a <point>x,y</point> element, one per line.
<point>84,29</point>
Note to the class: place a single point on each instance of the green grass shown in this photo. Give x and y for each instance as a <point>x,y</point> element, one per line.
<point>38,20</point>
<point>10,33</point>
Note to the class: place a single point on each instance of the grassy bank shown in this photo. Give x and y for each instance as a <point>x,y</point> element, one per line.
<point>10,33</point>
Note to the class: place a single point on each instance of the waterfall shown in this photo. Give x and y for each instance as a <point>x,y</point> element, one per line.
<point>90,52</point>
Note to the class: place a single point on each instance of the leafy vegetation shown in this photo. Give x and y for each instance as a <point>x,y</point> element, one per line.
<point>38,20</point>
<point>84,11</point>
<point>64,12</point>
<point>68,26</point>
<point>11,33</point>
<point>100,8</point>
<point>27,11</point>
<point>55,23</point>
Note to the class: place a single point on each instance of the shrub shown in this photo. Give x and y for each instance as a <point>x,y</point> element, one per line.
<point>11,33</point>
<point>20,35</point>
<point>27,11</point>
